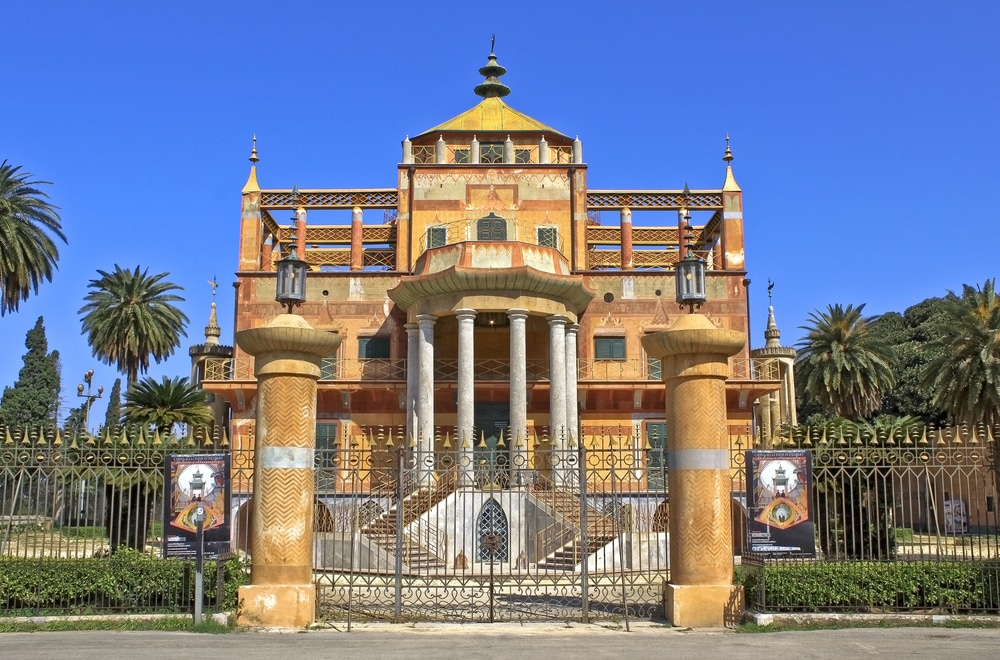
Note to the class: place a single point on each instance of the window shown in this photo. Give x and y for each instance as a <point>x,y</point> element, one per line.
<point>491,152</point>
<point>493,531</point>
<point>656,455</point>
<point>654,368</point>
<point>609,348</point>
<point>437,236</point>
<point>329,367</point>
<point>547,237</point>
<point>491,228</point>
<point>522,156</point>
<point>371,348</point>
<point>462,156</point>
<point>325,460</point>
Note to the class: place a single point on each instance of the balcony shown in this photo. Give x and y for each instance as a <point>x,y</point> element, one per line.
<point>488,370</point>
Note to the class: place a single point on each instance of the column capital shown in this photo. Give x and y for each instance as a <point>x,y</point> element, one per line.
<point>411,326</point>
<point>423,319</point>
<point>572,328</point>
<point>517,313</point>
<point>465,314</point>
<point>557,319</point>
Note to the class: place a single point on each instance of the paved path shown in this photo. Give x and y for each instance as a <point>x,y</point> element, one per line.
<point>547,642</point>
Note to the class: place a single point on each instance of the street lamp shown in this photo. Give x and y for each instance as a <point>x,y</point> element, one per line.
<point>87,377</point>
<point>291,289</point>
<point>690,274</point>
<point>197,486</point>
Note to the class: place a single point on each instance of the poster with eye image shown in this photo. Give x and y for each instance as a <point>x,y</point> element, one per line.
<point>779,493</point>
<point>192,481</point>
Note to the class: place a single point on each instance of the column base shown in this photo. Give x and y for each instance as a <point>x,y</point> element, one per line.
<point>703,606</point>
<point>277,605</point>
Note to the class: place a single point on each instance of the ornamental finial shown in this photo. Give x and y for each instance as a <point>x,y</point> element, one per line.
<point>729,153</point>
<point>253,152</point>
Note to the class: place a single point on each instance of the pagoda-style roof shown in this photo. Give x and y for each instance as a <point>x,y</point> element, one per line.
<point>493,115</point>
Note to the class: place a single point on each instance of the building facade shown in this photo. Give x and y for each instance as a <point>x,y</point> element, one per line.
<point>490,300</point>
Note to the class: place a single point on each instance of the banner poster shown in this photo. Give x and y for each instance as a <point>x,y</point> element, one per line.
<point>779,503</point>
<point>179,527</point>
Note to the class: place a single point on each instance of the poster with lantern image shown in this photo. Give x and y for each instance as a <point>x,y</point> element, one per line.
<point>192,481</point>
<point>779,501</point>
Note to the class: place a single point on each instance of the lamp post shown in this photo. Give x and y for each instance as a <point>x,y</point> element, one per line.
<point>197,487</point>
<point>288,353</point>
<point>690,274</point>
<point>291,287</point>
<point>87,377</point>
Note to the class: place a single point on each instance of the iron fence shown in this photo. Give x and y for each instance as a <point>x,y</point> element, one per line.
<point>68,504</point>
<point>501,529</point>
<point>905,520</point>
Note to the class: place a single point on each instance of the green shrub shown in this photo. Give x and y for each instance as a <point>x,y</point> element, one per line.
<point>127,581</point>
<point>866,586</point>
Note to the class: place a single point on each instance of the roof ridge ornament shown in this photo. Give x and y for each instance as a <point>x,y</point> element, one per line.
<point>491,86</point>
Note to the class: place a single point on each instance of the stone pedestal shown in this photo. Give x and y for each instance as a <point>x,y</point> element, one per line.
<point>288,353</point>
<point>694,356</point>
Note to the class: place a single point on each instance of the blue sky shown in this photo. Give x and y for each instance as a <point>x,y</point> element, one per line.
<point>864,132</point>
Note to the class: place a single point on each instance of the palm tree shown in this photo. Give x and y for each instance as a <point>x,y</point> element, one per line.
<point>28,254</point>
<point>160,405</point>
<point>129,317</point>
<point>842,365</point>
<point>963,371</point>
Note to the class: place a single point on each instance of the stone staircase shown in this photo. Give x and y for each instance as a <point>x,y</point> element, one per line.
<point>601,529</point>
<point>421,550</point>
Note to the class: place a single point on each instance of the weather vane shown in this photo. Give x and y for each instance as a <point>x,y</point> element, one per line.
<point>770,285</point>
<point>493,43</point>
<point>214,284</point>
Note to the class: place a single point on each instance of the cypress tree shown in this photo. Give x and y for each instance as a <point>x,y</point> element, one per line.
<point>33,401</point>
<point>113,417</point>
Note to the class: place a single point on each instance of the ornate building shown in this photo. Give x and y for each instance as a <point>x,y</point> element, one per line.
<point>490,299</point>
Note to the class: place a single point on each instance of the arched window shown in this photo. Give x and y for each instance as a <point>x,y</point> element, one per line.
<point>492,533</point>
<point>491,228</point>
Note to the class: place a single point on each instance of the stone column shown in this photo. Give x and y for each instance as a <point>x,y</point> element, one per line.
<point>694,355</point>
<point>518,391</point>
<point>357,239</point>
<point>412,378</point>
<point>288,352</point>
<point>425,397</point>
<point>625,218</point>
<point>572,403</point>
<point>557,395</point>
<point>466,393</point>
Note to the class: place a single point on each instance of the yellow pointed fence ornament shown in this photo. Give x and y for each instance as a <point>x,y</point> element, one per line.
<point>447,440</point>
<point>482,440</point>
<point>224,440</point>
<point>500,442</point>
<point>465,441</point>
<point>57,441</point>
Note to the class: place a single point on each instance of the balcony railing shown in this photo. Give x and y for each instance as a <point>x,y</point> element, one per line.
<point>490,370</point>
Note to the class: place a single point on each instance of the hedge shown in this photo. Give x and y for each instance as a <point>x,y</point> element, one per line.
<point>127,581</point>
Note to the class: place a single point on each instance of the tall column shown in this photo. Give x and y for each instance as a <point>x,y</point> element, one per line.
<point>357,239</point>
<point>412,377</point>
<point>466,393</point>
<point>518,441</point>
<point>425,397</point>
<point>572,404</point>
<point>557,394</point>
<point>694,356</point>
<point>288,352</point>
<point>626,229</point>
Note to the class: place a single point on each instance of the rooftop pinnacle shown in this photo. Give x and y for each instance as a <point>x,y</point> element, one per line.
<point>492,87</point>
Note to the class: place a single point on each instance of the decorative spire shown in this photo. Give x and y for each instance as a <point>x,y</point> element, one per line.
<point>212,330</point>
<point>730,185</point>
<point>771,334</point>
<point>492,87</point>
<point>251,185</point>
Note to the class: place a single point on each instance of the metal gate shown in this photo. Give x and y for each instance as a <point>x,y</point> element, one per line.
<point>563,533</point>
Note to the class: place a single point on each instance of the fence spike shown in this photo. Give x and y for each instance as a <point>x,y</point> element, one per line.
<point>447,440</point>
